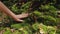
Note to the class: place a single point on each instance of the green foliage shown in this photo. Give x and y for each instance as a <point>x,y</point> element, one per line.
<point>42,19</point>
<point>47,29</point>
<point>7,31</point>
<point>17,32</point>
<point>35,26</point>
<point>15,9</point>
<point>25,7</point>
<point>37,13</point>
<point>16,26</point>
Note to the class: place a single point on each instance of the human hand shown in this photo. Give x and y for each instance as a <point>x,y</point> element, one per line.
<point>20,16</point>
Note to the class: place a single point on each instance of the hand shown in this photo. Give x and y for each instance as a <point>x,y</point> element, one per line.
<point>10,13</point>
<point>18,17</point>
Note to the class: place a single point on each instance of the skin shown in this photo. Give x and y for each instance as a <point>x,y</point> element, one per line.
<point>11,14</point>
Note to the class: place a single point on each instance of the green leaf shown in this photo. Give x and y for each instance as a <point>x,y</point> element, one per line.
<point>7,31</point>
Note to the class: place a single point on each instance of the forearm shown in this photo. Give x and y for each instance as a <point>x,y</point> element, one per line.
<point>6,10</point>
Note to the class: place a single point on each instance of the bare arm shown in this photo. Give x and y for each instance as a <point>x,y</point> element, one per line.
<point>6,10</point>
<point>10,13</point>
